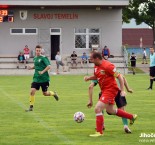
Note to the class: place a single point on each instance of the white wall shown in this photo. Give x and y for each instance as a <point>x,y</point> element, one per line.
<point>109,21</point>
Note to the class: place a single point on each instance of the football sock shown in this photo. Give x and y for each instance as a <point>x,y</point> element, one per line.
<point>52,93</point>
<point>124,114</point>
<point>151,83</point>
<point>32,99</point>
<point>99,122</point>
<point>154,79</point>
<point>125,121</point>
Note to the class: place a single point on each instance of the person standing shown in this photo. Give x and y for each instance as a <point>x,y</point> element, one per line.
<point>133,62</point>
<point>59,62</point>
<point>41,77</point>
<point>152,68</point>
<point>26,53</point>
<point>144,56</point>
<point>105,72</point>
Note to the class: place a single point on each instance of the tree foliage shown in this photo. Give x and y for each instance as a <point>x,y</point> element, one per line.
<point>141,11</point>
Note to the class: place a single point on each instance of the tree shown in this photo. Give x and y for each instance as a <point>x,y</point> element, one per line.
<point>141,11</point>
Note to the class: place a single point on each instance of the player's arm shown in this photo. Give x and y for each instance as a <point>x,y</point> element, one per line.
<point>126,85</point>
<point>45,70</point>
<point>121,81</point>
<point>48,66</point>
<point>88,78</point>
<point>90,92</point>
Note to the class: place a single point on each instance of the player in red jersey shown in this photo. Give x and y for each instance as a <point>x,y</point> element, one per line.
<point>105,72</point>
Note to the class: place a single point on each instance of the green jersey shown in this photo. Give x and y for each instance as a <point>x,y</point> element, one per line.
<point>40,63</point>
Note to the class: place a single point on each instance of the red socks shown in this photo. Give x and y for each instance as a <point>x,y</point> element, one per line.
<point>124,114</point>
<point>99,123</point>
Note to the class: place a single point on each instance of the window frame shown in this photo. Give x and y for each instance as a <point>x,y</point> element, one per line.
<point>87,34</point>
<point>24,31</point>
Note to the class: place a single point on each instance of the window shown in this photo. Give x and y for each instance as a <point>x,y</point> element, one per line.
<point>17,31</point>
<point>30,31</point>
<point>23,31</point>
<point>55,31</point>
<point>84,38</point>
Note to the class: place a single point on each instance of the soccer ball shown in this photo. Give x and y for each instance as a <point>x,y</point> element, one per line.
<point>79,117</point>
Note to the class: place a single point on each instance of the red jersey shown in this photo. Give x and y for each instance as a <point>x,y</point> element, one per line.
<point>26,50</point>
<point>105,74</point>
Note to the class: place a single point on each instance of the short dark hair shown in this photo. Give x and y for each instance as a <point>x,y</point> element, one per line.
<point>38,46</point>
<point>97,55</point>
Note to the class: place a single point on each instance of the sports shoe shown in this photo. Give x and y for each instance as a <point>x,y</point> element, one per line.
<point>56,96</point>
<point>149,88</point>
<point>127,130</point>
<point>133,119</point>
<point>28,110</point>
<point>97,134</point>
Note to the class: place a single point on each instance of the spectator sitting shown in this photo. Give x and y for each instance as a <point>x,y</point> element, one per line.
<point>74,58</point>
<point>21,59</point>
<point>84,59</point>
<point>59,62</point>
<point>105,52</point>
<point>26,53</point>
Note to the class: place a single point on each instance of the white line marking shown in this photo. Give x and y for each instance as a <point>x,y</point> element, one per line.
<point>54,131</point>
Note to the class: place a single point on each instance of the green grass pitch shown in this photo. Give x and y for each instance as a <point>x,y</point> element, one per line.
<point>51,122</point>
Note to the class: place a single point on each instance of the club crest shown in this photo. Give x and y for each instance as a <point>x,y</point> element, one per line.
<point>23,14</point>
<point>102,72</point>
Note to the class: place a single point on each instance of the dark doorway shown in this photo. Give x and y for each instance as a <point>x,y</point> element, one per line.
<point>55,45</point>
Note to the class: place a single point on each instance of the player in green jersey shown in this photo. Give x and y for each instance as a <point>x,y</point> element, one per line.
<point>41,77</point>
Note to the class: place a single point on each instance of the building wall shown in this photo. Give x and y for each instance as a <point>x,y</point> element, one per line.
<point>109,22</point>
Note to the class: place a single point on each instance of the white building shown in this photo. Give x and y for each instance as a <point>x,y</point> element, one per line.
<point>65,25</point>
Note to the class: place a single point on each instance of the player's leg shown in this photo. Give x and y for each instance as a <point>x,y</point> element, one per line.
<point>125,122</point>
<point>99,118</point>
<point>103,127</point>
<point>34,88</point>
<point>44,87</point>
<point>120,113</point>
<point>121,103</point>
<point>152,74</point>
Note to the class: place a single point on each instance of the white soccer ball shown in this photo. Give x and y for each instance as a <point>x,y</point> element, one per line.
<point>79,117</point>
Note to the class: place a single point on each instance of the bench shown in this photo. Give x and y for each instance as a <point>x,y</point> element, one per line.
<point>78,60</point>
<point>11,62</point>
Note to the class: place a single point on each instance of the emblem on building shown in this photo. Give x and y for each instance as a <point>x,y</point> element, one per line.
<point>23,14</point>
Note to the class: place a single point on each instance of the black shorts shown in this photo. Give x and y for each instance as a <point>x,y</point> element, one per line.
<point>133,63</point>
<point>44,86</point>
<point>120,100</point>
<point>152,71</point>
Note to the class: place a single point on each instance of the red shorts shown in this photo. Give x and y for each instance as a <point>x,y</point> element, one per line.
<point>108,97</point>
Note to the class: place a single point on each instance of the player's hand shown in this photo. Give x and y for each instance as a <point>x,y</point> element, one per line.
<point>130,90</point>
<point>40,72</point>
<point>123,93</point>
<point>86,78</point>
<point>90,104</point>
